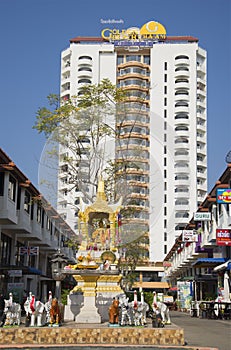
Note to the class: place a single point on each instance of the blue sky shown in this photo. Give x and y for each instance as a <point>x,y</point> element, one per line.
<point>34,32</point>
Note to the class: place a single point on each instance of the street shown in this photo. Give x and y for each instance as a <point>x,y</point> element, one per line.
<point>204,332</point>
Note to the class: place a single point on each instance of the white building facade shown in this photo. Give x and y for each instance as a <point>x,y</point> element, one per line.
<point>166,80</point>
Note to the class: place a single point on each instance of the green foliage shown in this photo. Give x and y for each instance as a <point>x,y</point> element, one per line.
<point>133,254</point>
<point>64,294</point>
<point>100,95</point>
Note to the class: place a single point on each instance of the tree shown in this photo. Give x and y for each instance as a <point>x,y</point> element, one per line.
<point>133,253</point>
<point>81,128</point>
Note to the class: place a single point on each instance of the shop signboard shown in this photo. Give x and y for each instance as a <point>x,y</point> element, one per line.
<point>223,237</point>
<point>224,195</point>
<point>202,216</point>
<point>15,273</point>
<point>168,299</point>
<point>184,293</point>
<point>189,236</point>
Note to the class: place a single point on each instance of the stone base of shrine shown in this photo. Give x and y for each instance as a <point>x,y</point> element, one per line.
<point>91,334</point>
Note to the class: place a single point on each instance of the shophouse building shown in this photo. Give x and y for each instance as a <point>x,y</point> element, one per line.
<point>31,231</point>
<point>164,131</point>
<point>202,253</point>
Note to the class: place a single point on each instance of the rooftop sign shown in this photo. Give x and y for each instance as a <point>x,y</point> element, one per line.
<point>149,31</point>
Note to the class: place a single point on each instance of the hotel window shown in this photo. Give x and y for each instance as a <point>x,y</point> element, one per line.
<point>2,175</point>
<point>48,224</point>
<point>165,113</point>
<point>39,213</point>
<point>165,65</point>
<point>85,58</point>
<point>165,89</point>
<point>12,188</point>
<point>120,59</point>
<point>181,57</point>
<point>165,101</point>
<point>5,251</point>
<point>165,236</point>
<point>27,202</point>
<point>146,59</point>
<point>165,249</point>
<point>84,81</point>
<point>165,78</point>
<point>88,69</point>
<point>136,58</point>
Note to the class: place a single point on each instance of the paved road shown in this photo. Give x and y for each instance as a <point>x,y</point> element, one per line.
<point>204,332</point>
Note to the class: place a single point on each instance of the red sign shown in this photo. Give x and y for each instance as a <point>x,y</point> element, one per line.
<point>223,237</point>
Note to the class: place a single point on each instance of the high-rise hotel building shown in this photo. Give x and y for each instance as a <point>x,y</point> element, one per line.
<point>164,131</point>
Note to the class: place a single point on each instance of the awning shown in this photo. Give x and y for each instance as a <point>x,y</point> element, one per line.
<point>208,262</point>
<point>26,270</point>
<point>33,271</point>
<point>173,289</point>
<point>224,266</point>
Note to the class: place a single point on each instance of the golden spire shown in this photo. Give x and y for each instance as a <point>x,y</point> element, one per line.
<point>100,191</point>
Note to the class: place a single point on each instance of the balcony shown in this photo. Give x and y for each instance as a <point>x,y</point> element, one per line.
<point>85,62</point>
<point>201,127</point>
<point>182,133</point>
<point>84,74</point>
<point>181,73</point>
<point>7,211</point>
<point>183,195</point>
<point>182,182</point>
<point>201,103</point>
<point>180,145</point>
<point>181,157</point>
<point>201,68</point>
<point>181,109</point>
<point>182,62</point>
<point>181,207</point>
<point>181,85</point>
<point>180,97</point>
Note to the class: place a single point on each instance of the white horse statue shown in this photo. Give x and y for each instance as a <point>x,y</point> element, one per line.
<point>159,307</point>
<point>139,310</point>
<point>47,307</point>
<point>125,317</point>
<point>132,313</point>
<point>12,311</point>
<point>34,309</point>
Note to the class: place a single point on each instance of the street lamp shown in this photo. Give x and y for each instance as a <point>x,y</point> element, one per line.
<point>58,262</point>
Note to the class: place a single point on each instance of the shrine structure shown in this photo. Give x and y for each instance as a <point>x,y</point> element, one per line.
<point>96,273</point>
